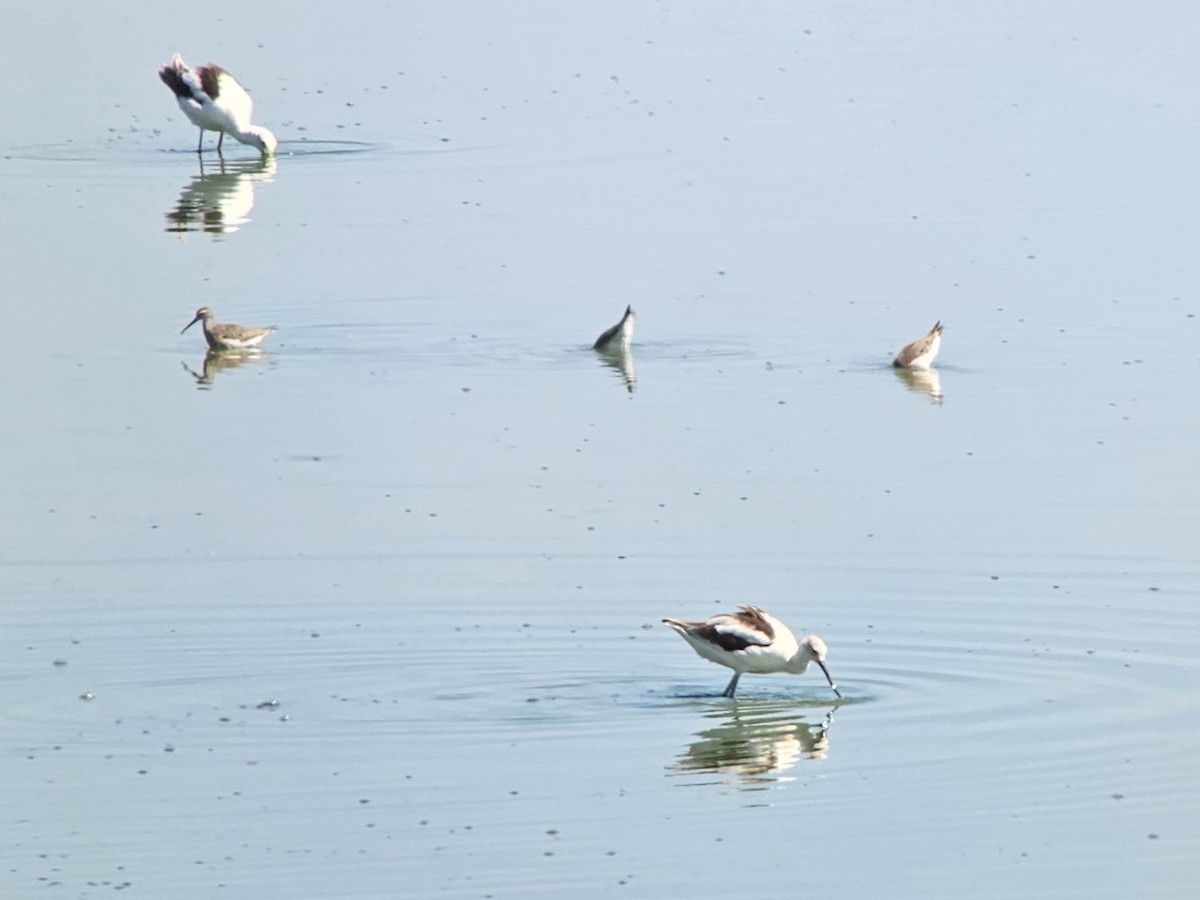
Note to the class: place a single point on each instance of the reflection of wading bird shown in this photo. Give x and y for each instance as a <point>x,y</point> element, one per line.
<point>621,362</point>
<point>219,202</point>
<point>751,640</point>
<point>923,381</point>
<point>920,354</point>
<point>755,749</point>
<point>214,101</point>
<point>224,336</point>
<point>618,338</point>
<point>216,361</point>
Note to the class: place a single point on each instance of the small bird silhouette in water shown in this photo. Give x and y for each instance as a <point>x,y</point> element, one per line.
<point>619,337</point>
<point>215,101</point>
<point>221,336</point>
<point>920,353</point>
<point>751,640</point>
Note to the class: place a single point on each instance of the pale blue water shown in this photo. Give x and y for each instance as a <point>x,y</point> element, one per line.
<point>376,614</point>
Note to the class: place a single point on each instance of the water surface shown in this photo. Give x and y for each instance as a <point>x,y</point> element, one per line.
<point>376,612</point>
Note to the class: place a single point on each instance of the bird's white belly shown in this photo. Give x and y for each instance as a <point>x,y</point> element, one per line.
<point>206,117</point>
<point>925,360</point>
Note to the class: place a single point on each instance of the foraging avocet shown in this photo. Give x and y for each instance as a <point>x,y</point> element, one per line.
<point>920,353</point>
<point>618,338</point>
<point>222,336</point>
<point>751,640</point>
<point>214,101</point>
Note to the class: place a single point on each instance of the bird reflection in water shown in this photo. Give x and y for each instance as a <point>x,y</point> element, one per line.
<point>754,750</point>
<point>218,201</point>
<point>923,381</point>
<point>621,362</point>
<point>223,361</point>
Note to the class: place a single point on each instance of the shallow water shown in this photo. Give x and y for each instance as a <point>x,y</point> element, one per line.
<point>376,612</point>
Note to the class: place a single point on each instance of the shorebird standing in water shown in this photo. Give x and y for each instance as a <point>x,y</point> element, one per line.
<point>215,101</point>
<point>225,336</point>
<point>618,338</point>
<point>751,640</point>
<point>920,353</point>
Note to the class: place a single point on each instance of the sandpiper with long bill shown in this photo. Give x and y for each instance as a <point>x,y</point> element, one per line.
<point>226,336</point>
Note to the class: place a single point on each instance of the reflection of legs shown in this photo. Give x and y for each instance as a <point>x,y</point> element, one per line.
<point>732,686</point>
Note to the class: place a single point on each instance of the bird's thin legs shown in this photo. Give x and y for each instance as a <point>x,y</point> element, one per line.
<point>220,141</point>
<point>200,143</point>
<point>732,686</point>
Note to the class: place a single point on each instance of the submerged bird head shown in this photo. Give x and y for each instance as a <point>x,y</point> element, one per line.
<point>202,314</point>
<point>813,649</point>
<point>264,140</point>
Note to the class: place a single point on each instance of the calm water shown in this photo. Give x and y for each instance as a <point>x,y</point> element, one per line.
<point>376,613</point>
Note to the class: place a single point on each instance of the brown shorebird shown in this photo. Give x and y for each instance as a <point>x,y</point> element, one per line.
<point>227,337</point>
<point>919,354</point>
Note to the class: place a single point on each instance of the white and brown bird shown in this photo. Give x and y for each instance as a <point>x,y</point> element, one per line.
<point>215,101</point>
<point>224,336</point>
<point>920,353</point>
<point>618,338</point>
<point>751,640</point>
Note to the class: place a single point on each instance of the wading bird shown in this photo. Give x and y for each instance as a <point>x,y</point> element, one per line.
<point>751,640</point>
<point>920,353</point>
<point>619,337</point>
<point>226,336</point>
<point>215,101</point>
